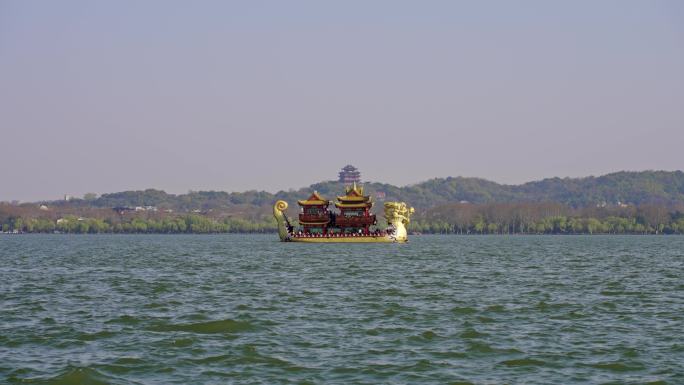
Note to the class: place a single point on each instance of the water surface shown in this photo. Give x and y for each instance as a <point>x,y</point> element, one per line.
<point>245,309</point>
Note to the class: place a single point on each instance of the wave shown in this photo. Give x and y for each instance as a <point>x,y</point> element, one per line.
<point>523,362</point>
<point>81,376</point>
<point>463,310</point>
<point>472,333</point>
<point>481,347</point>
<point>617,366</point>
<point>96,335</point>
<point>209,327</point>
<point>124,320</point>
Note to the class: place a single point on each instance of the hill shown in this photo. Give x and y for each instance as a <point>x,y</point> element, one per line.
<point>648,202</point>
<point>637,188</point>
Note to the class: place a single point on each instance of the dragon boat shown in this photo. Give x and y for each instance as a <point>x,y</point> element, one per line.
<point>353,223</point>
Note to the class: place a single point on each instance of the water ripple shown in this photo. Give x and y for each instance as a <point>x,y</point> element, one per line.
<point>120,309</point>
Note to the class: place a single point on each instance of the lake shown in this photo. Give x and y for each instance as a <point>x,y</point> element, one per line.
<point>246,309</point>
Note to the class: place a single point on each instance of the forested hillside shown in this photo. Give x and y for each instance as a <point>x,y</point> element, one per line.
<point>646,187</point>
<point>622,202</point>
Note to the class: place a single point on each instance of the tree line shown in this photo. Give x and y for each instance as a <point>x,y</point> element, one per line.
<point>549,218</point>
<point>193,223</point>
<point>455,218</point>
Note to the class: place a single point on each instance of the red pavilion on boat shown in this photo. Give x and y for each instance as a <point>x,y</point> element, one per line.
<point>354,216</point>
<point>315,217</point>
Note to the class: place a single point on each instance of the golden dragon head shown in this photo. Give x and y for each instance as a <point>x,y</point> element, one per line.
<point>398,211</point>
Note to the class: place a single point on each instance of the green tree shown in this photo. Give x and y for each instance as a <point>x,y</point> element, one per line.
<point>575,225</point>
<point>593,225</point>
<point>479,224</point>
<point>18,224</point>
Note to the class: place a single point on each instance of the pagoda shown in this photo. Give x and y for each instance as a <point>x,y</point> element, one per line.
<point>349,174</point>
<point>315,217</point>
<point>354,216</point>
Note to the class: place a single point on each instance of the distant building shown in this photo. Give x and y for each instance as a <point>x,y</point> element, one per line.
<point>380,195</point>
<point>122,209</point>
<point>349,175</point>
<point>43,207</point>
<point>67,197</point>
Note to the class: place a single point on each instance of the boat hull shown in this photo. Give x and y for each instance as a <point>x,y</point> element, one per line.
<point>366,239</point>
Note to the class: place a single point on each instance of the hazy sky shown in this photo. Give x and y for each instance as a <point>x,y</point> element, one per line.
<point>102,96</point>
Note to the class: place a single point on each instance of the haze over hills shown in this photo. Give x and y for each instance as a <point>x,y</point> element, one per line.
<point>636,188</point>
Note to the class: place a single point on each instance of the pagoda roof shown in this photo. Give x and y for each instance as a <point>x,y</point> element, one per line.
<point>314,200</point>
<point>359,205</point>
<point>354,194</point>
<point>353,199</point>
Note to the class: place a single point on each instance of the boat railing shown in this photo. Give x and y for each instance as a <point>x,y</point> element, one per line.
<point>376,233</point>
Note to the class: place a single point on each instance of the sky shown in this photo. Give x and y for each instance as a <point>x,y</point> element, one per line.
<point>105,96</point>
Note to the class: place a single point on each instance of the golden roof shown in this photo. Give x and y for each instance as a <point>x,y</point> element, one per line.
<point>353,205</point>
<point>314,200</point>
<point>354,194</point>
<point>352,199</point>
